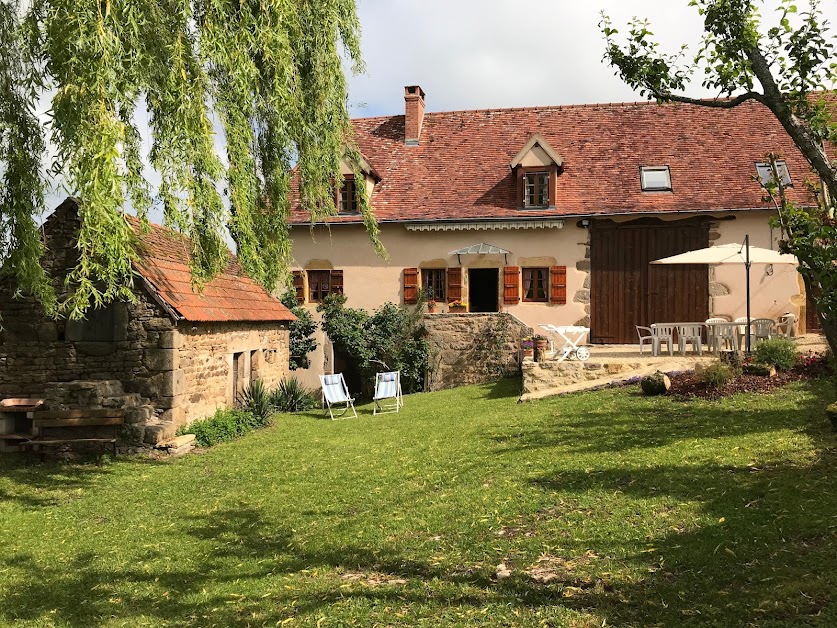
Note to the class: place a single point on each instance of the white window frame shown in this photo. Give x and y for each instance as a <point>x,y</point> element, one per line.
<point>646,187</point>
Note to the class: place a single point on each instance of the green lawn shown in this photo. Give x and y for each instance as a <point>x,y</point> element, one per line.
<point>641,512</point>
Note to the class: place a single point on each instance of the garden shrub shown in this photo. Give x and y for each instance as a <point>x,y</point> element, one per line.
<point>302,330</point>
<point>717,375</point>
<point>655,384</point>
<point>291,396</point>
<point>225,425</point>
<point>255,399</point>
<point>762,370</point>
<point>392,338</point>
<point>778,352</point>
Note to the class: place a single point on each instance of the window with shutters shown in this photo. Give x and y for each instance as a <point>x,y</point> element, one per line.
<point>348,196</point>
<point>454,284</point>
<point>558,279</point>
<point>511,285</point>
<point>535,282</point>
<point>299,286</point>
<point>433,284</point>
<point>322,283</point>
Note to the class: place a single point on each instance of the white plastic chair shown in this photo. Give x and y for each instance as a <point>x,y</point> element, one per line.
<point>763,329</point>
<point>336,393</point>
<point>690,333</point>
<point>662,333</point>
<point>786,324</point>
<point>710,329</point>
<point>387,386</point>
<point>742,322</point>
<point>648,338</point>
<point>725,336</point>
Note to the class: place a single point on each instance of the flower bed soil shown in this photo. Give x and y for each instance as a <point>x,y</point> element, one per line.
<point>688,385</point>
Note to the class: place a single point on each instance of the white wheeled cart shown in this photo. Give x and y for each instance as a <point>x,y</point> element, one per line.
<point>572,336</point>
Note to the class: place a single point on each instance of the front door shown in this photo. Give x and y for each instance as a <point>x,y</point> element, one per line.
<point>483,289</point>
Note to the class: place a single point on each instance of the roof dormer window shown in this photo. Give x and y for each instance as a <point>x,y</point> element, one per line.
<point>536,189</point>
<point>348,196</point>
<point>536,167</point>
<point>655,178</point>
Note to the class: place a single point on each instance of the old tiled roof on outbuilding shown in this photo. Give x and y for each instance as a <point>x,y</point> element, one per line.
<point>460,169</point>
<point>163,268</point>
<point>231,296</point>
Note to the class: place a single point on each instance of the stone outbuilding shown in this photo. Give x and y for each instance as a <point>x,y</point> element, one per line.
<point>169,357</point>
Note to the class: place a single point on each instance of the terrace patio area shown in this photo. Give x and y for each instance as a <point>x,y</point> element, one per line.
<point>612,364</point>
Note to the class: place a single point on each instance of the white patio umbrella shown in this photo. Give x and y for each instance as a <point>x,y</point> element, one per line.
<point>732,254</point>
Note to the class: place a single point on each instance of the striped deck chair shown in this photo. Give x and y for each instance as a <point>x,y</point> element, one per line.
<point>388,386</point>
<point>336,393</point>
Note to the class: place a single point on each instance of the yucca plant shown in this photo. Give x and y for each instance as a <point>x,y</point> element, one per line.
<point>257,400</point>
<point>291,396</point>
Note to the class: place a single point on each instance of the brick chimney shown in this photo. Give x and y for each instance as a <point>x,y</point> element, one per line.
<point>413,114</point>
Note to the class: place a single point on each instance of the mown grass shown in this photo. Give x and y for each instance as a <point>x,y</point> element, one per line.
<point>645,511</point>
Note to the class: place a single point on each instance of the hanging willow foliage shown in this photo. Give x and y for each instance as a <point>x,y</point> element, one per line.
<point>269,71</point>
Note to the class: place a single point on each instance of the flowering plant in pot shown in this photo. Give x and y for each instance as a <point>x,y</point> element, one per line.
<point>528,346</point>
<point>458,306</point>
<point>431,306</point>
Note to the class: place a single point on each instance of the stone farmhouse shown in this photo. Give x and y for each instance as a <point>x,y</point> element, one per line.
<point>553,214</point>
<point>169,357</point>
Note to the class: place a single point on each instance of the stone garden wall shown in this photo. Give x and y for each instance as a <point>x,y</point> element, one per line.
<point>473,348</point>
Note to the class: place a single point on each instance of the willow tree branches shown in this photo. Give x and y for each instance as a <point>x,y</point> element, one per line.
<point>269,72</point>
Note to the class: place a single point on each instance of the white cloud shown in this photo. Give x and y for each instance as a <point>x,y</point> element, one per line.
<point>474,54</point>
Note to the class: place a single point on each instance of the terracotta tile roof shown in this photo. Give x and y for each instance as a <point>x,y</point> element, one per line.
<point>461,169</point>
<point>231,296</point>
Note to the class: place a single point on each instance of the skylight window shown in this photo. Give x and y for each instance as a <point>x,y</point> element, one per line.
<point>655,179</point>
<point>765,173</point>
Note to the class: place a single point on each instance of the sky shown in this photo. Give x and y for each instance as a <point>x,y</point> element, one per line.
<point>480,54</point>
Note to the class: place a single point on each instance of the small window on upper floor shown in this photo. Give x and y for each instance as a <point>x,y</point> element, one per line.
<point>536,189</point>
<point>348,196</point>
<point>765,173</point>
<point>655,178</point>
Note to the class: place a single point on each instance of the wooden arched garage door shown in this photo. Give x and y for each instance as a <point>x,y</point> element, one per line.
<point>626,291</point>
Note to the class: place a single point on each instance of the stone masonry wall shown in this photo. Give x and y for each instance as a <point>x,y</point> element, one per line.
<point>37,352</point>
<point>203,367</point>
<point>473,348</point>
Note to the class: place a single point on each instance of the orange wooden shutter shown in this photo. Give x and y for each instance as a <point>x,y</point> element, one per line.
<point>511,285</point>
<point>454,284</point>
<point>410,286</point>
<point>558,276</point>
<point>299,286</point>
<point>336,282</point>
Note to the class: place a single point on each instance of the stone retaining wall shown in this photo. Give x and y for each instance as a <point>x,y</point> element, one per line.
<point>473,348</point>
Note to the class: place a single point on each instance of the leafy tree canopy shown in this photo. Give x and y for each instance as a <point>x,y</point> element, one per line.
<point>269,71</point>
<point>787,64</point>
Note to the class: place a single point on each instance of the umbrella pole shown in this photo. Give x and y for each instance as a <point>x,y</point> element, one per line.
<point>747,266</point>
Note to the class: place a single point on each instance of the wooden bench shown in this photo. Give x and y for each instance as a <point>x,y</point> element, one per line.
<point>72,419</point>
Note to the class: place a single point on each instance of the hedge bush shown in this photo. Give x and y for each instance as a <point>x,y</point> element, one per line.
<point>778,352</point>
<point>717,374</point>
<point>223,426</point>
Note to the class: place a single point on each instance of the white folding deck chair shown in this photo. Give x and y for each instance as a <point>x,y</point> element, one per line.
<point>336,393</point>
<point>388,386</point>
